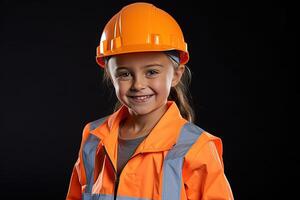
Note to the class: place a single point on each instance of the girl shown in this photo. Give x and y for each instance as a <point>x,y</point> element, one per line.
<point>149,147</point>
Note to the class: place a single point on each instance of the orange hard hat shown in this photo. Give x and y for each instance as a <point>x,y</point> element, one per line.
<point>141,27</point>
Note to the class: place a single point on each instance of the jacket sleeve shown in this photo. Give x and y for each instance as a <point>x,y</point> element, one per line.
<point>77,178</point>
<point>205,178</point>
<point>74,192</point>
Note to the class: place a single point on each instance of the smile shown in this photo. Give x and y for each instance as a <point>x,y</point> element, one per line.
<point>140,99</point>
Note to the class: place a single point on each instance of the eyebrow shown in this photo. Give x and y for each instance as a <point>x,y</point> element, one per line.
<point>151,65</point>
<point>145,66</point>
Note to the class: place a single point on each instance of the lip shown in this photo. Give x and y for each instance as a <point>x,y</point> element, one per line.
<point>141,98</point>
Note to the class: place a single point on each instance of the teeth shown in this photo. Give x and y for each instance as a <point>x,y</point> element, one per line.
<point>141,97</point>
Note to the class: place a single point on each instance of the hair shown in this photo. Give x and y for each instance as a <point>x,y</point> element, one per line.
<point>180,93</point>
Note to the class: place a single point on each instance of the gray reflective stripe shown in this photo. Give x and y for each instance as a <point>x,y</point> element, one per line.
<point>108,197</point>
<point>172,169</point>
<point>88,155</point>
<point>97,197</point>
<point>96,123</point>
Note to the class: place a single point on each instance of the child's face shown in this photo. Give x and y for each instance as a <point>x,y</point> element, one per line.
<point>143,81</point>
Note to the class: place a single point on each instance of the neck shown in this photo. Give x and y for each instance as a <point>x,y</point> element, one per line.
<point>135,126</point>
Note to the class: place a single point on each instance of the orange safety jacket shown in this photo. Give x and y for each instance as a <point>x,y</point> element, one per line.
<point>176,161</point>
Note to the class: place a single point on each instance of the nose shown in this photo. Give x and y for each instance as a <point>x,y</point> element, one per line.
<point>138,83</point>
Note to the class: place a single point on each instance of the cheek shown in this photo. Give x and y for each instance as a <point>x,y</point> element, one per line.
<point>168,80</point>
<point>120,88</point>
<point>163,85</point>
<point>116,86</point>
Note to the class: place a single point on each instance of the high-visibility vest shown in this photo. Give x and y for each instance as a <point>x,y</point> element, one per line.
<point>177,160</point>
<point>172,166</point>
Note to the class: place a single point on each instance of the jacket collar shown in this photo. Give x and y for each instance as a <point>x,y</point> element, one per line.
<point>162,137</point>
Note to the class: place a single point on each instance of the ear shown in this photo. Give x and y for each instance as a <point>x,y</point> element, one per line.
<point>178,72</point>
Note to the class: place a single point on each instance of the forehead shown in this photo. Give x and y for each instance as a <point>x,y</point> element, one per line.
<point>139,59</point>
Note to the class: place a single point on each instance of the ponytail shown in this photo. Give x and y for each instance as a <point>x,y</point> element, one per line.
<point>179,95</point>
<point>180,92</point>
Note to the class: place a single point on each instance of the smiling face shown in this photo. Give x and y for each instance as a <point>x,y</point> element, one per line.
<point>142,81</point>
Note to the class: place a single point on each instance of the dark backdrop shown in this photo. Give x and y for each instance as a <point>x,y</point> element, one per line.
<point>51,87</point>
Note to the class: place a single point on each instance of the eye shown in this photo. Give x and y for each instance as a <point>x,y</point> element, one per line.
<point>152,73</point>
<point>123,75</point>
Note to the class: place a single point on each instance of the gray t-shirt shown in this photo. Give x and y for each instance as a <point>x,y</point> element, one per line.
<point>126,149</point>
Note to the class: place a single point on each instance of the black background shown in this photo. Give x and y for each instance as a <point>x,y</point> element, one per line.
<point>240,56</point>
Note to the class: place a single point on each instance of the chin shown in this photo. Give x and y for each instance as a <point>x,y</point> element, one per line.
<point>139,111</point>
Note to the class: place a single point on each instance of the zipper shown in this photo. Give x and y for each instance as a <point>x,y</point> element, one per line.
<point>117,178</point>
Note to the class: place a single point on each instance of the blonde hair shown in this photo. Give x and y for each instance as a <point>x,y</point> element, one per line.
<point>178,94</point>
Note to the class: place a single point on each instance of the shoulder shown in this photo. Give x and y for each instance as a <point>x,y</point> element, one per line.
<point>199,137</point>
<point>92,125</point>
<point>203,169</point>
<point>204,156</point>
<point>205,147</point>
